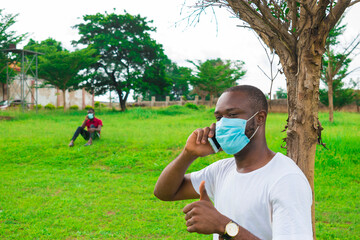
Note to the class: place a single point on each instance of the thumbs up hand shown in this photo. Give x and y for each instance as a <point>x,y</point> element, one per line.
<point>203,194</point>
<point>202,217</point>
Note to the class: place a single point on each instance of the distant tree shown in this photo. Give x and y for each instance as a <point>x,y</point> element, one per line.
<point>154,82</point>
<point>7,37</point>
<point>62,68</point>
<point>341,96</point>
<point>47,46</point>
<point>281,93</point>
<point>215,75</point>
<point>181,78</point>
<point>125,47</point>
<point>335,67</point>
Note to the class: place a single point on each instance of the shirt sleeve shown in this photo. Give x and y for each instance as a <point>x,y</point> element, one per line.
<point>208,174</point>
<point>291,200</point>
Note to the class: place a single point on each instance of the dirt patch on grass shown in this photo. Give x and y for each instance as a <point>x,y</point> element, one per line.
<point>5,118</point>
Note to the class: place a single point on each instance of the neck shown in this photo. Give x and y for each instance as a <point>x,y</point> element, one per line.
<point>254,156</point>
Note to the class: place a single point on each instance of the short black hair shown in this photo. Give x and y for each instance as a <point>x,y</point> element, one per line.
<point>256,97</point>
<point>91,109</point>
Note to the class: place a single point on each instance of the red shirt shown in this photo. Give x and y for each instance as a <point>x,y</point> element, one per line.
<point>96,122</point>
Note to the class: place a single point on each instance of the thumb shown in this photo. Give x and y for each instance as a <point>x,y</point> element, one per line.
<point>203,194</point>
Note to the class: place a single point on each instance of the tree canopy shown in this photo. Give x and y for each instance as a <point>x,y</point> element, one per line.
<point>215,75</point>
<point>7,37</point>
<point>181,78</point>
<point>62,68</point>
<point>126,51</point>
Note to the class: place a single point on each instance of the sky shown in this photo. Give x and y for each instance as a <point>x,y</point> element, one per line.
<point>214,36</point>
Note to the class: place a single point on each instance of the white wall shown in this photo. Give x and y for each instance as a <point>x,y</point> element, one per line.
<point>47,95</point>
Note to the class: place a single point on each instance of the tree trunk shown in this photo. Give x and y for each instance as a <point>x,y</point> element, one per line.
<point>303,126</point>
<point>122,99</point>
<point>203,99</point>
<point>122,105</point>
<point>211,100</point>
<point>110,100</point>
<point>64,99</point>
<point>331,100</point>
<point>330,86</point>
<point>5,92</point>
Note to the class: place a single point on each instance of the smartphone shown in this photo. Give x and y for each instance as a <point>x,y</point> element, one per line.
<point>214,144</point>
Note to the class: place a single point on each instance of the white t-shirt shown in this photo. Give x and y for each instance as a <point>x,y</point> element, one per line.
<point>272,202</point>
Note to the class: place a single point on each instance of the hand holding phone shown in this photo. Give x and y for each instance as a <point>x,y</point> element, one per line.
<point>214,144</point>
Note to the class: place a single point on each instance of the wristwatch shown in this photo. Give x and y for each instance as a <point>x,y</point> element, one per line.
<point>231,230</point>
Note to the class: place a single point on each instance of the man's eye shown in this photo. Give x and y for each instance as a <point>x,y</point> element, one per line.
<point>218,118</point>
<point>232,115</point>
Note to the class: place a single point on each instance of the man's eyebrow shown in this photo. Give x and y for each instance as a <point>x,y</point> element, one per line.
<point>230,109</point>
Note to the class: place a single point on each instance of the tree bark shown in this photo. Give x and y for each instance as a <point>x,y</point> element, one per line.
<point>303,78</point>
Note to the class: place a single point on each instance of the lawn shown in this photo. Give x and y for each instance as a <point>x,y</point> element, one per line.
<point>51,191</point>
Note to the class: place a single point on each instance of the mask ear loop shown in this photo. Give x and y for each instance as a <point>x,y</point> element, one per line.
<point>256,128</point>
<point>254,133</point>
<point>252,116</point>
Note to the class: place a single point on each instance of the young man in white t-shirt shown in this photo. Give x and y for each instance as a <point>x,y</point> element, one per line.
<point>258,194</point>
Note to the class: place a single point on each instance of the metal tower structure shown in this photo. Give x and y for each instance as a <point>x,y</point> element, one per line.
<point>27,74</point>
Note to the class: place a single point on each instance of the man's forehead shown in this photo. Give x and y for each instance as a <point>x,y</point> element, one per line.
<point>233,100</point>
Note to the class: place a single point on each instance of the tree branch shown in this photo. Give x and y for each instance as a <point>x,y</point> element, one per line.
<point>293,11</point>
<point>267,30</point>
<point>336,12</point>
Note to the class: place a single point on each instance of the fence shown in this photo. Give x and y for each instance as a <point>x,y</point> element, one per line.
<point>167,102</point>
<point>276,105</point>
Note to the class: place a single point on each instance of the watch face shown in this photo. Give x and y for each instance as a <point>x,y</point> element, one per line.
<point>232,229</point>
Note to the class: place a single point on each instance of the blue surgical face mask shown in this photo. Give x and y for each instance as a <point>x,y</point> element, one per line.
<point>90,116</point>
<point>230,133</point>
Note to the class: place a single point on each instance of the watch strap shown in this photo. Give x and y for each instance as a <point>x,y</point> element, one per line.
<point>226,236</point>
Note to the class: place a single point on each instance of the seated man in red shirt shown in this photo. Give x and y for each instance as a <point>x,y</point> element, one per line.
<point>93,125</point>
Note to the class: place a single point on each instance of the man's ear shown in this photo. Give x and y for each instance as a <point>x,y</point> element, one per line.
<point>261,117</point>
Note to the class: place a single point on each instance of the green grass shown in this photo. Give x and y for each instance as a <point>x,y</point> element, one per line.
<point>50,191</point>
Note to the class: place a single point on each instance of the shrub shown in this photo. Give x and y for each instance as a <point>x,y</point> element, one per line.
<point>87,107</point>
<point>211,110</point>
<point>49,106</point>
<point>191,106</point>
<point>74,107</point>
<point>97,104</point>
<point>60,107</point>
<point>39,106</point>
<point>173,110</point>
<point>174,107</point>
<point>201,107</point>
